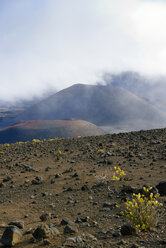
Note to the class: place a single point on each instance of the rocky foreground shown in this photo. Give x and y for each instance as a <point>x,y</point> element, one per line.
<point>60,193</point>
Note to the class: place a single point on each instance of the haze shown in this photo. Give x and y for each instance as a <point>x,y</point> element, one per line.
<point>56,43</point>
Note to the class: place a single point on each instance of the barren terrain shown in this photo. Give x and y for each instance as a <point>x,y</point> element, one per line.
<point>68,183</point>
<point>45,129</point>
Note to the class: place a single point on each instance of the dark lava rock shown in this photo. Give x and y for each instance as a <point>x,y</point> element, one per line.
<point>45,217</point>
<point>11,236</point>
<point>19,224</point>
<point>82,219</point>
<point>2,185</point>
<point>135,246</point>
<point>98,185</point>
<point>128,189</point>
<point>109,205</point>
<point>37,180</point>
<point>116,234</point>
<point>69,189</point>
<point>7,179</point>
<point>84,188</point>
<point>75,175</point>
<point>41,232</point>
<point>163,242</point>
<point>52,181</point>
<point>46,242</point>
<point>127,229</point>
<point>65,222</point>
<point>162,188</point>
<point>109,162</point>
<point>70,229</point>
<point>57,175</point>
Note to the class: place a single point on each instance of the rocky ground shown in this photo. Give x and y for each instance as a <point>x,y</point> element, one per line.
<point>61,192</point>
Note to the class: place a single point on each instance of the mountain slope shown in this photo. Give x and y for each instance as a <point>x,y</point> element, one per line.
<point>29,130</point>
<point>152,89</point>
<point>101,105</point>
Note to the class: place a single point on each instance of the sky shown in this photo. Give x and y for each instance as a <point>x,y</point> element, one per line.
<point>52,44</point>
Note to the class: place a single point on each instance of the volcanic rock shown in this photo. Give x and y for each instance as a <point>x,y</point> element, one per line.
<point>11,236</point>
<point>127,229</point>
<point>162,188</point>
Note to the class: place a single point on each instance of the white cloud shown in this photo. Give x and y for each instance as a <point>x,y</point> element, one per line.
<point>60,42</point>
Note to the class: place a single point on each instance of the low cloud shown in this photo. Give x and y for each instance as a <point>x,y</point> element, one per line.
<point>151,89</point>
<point>56,43</point>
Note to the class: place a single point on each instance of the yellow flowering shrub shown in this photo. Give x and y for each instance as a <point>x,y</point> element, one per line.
<point>35,140</point>
<point>19,143</point>
<point>143,211</point>
<point>100,151</point>
<point>118,173</point>
<point>59,152</point>
<point>7,145</point>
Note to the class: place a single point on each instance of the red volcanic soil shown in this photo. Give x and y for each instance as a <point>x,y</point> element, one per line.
<point>44,129</point>
<point>44,124</point>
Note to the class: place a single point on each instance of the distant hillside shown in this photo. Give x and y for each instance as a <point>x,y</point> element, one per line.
<point>101,105</point>
<point>8,115</point>
<point>152,89</point>
<point>10,109</point>
<point>29,130</point>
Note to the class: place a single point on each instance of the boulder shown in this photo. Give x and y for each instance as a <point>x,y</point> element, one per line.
<point>162,188</point>
<point>44,231</point>
<point>11,236</point>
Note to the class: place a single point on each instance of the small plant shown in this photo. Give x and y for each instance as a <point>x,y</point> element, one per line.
<point>143,211</point>
<point>103,176</point>
<point>36,141</point>
<point>108,174</point>
<point>7,145</point>
<point>78,137</point>
<point>59,152</point>
<point>100,151</point>
<point>1,153</point>
<point>19,143</point>
<point>118,173</point>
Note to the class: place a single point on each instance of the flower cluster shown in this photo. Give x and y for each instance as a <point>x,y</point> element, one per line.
<point>36,141</point>
<point>100,151</point>
<point>59,152</point>
<point>20,143</point>
<point>142,210</point>
<point>7,145</point>
<point>118,173</point>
